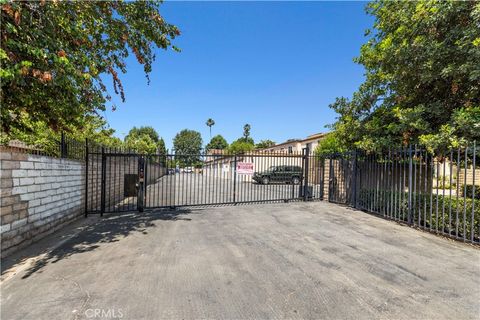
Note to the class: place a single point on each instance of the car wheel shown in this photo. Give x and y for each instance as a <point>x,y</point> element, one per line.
<point>265,180</point>
<point>295,180</point>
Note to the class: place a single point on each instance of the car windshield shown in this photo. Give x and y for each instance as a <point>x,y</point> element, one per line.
<point>272,169</point>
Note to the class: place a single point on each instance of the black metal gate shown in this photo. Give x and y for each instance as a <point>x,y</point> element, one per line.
<point>124,181</point>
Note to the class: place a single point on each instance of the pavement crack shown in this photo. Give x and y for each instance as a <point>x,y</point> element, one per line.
<point>86,299</point>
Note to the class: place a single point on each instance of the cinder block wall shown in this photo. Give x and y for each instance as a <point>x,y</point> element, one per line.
<point>39,194</point>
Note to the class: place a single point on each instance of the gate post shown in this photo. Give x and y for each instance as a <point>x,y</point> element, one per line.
<point>63,146</point>
<point>86,177</point>
<point>305,185</point>
<point>410,184</point>
<point>104,178</point>
<point>354,179</point>
<point>330,179</point>
<point>235,180</point>
<point>141,179</point>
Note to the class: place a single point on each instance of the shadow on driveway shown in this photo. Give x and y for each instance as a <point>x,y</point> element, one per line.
<point>110,228</point>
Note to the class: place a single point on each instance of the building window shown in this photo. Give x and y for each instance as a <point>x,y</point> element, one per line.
<point>290,149</point>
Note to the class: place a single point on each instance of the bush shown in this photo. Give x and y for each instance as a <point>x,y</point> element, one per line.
<point>470,191</point>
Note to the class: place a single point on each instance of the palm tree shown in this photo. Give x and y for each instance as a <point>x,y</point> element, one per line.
<point>210,122</point>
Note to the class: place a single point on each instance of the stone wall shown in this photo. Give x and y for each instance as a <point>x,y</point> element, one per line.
<point>39,194</point>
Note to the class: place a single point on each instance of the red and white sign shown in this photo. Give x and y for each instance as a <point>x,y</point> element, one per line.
<point>245,168</point>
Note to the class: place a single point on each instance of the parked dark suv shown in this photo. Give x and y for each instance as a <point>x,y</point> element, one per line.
<point>282,174</point>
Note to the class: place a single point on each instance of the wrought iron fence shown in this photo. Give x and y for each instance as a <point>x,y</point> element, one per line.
<point>65,146</point>
<point>438,192</point>
<point>116,178</point>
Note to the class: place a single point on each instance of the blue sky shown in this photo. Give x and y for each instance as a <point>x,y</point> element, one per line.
<point>274,65</point>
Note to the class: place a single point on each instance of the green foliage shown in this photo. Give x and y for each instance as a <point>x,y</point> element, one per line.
<point>141,143</point>
<point>246,133</point>
<point>210,122</point>
<point>161,148</point>
<point>56,55</point>
<point>240,146</point>
<point>145,140</point>
<point>442,212</point>
<point>328,145</point>
<point>263,144</point>
<point>187,145</point>
<point>469,191</point>
<point>147,130</point>
<point>422,77</point>
<point>44,138</point>
<point>217,142</point>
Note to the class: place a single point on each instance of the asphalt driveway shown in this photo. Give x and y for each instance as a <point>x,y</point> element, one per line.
<point>296,260</point>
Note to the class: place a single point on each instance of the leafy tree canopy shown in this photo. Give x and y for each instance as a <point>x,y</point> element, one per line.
<point>328,145</point>
<point>188,145</point>
<point>217,142</point>
<point>141,143</point>
<point>56,55</point>
<point>210,122</point>
<point>265,144</point>
<point>162,149</point>
<point>240,146</point>
<point>246,131</point>
<point>145,140</point>
<point>147,130</point>
<point>422,77</point>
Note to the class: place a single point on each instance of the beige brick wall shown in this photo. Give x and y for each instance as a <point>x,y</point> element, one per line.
<point>39,194</point>
<point>469,176</point>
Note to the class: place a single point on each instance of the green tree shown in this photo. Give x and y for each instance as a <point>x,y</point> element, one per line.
<point>328,145</point>
<point>265,144</point>
<point>210,122</point>
<point>56,55</point>
<point>141,143</point>
<point>145,140</point>
<point>188,145</point>
<point>147,130</point>
<point>422,77</point>
<point>95,129</point>
<point>161,148</point>
<point>240,146</point>
<point>246,135</point>
<point>246,131</point>
<point>217,142</point>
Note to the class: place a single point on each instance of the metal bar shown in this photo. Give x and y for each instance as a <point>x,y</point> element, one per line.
<point>235,179</point>
<point>472,222</point>
<point>354,177</point>
<point>465,197</point>
<point>410,184</point>
<point>305,190</point>
<point>102,196</point>
<point>86,177</point>
<point>443,193</point>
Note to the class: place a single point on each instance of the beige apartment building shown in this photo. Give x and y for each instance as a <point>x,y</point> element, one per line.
<point>219,165</point>
<point>297,145</point>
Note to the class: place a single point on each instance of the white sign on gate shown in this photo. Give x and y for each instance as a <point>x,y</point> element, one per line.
<point>245,167</point>
<point>225,168</point>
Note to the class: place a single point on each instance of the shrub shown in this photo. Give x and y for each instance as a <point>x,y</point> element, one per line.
<point>470,191</point>
<point>440,212</point>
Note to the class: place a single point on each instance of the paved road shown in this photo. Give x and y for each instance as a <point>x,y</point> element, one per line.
<point>297,260</point>
<point>196,189</point>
